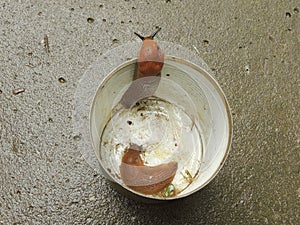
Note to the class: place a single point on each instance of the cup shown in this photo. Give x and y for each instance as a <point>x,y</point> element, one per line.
<point>185,121</point>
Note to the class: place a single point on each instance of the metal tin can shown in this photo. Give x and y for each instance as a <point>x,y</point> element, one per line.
<point>186,120</point>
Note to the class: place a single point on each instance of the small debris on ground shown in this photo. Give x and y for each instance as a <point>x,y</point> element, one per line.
<point>18,91</point>
<point>62,80</point>
<point>46,43</point>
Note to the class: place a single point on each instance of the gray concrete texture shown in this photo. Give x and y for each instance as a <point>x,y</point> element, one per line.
<point>253,49</point>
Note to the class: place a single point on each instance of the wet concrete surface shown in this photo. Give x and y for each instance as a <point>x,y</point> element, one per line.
<point>45,47</point>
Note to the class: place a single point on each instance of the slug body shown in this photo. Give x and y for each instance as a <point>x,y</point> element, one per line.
<point>145,179</point>
<point>150,57</point>
<point>149,65</point>
<point>134,173</point>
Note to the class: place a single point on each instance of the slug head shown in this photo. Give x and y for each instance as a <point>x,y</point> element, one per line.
<point>150,57</point>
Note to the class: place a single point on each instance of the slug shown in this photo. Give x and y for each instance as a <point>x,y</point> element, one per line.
<point>144,179</point>
<point>150,62</point>
<point>150,58</point>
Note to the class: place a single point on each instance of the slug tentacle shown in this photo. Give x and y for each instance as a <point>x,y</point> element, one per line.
<point>149,37</point>
<point>153,35</point>
<point>140,36</point>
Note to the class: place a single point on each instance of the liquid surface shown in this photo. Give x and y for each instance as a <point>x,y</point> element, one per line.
<point>164,132</point>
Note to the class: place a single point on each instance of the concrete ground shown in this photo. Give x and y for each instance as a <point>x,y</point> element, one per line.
<point>46,46</point>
